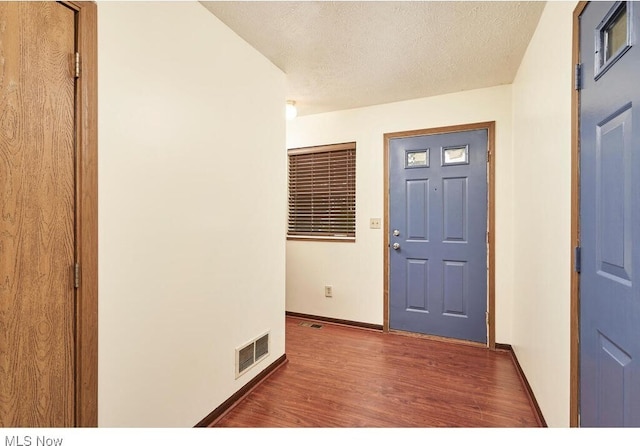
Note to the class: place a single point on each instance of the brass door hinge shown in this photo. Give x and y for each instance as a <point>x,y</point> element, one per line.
<point>77,65</point>
<point>76,275</point>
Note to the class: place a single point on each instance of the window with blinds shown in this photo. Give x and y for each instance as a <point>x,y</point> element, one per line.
<point>322,192</point>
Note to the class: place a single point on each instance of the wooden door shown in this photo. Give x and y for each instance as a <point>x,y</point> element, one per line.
<point>609,215</point>
<point>438,203</point>
<point>37,214</point>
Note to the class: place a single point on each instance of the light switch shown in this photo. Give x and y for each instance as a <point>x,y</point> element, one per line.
<point>374,223</point>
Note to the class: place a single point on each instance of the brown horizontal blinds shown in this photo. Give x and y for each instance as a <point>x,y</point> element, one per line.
<point>322,191</point>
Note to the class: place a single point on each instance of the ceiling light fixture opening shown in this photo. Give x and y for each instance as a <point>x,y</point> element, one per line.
<point>291,110</point>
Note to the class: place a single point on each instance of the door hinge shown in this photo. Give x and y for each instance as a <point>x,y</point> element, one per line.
<point>577,259</point>
<point>486,317</point>
<point>77,65</point>
<point>488,157</point>
<point>488,238</point>
<point>76,275</point>
<point>577,79</point>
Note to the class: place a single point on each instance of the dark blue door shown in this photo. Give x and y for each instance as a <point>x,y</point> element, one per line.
<point>438,228</point>
<point>610,215</point>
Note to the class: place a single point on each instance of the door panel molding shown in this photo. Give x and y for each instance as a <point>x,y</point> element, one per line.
<point>86,361</point>
<point>490,127</point>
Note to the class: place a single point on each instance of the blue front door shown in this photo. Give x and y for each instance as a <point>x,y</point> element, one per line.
<point>610,215</point>
<point>437,234</point>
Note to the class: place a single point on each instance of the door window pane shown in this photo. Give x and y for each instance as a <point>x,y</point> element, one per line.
<point>418,159</point>
<point>455,155</point>
<point>615,35</point>
<point>612,37</point>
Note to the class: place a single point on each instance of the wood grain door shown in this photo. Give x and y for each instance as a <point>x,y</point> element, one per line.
<point>37,214</point>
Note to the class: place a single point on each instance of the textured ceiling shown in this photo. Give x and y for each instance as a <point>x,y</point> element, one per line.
<point>347,54</point>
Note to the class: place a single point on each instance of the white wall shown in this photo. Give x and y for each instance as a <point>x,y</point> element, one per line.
<point>355,270</point>
<point>542,218</point>
<point>192,184</point>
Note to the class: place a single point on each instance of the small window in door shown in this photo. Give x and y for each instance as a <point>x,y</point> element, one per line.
<point>418,158</point>
<point>613,37</point>
<point>452,156</point>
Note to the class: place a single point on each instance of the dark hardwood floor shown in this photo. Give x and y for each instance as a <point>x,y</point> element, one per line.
<point>338,376</point>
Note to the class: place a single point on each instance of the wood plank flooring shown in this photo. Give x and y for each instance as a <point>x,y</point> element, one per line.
<point>338,376</point>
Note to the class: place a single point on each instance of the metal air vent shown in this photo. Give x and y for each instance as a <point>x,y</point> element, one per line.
<point>310,324</point>
<point>251,353</point>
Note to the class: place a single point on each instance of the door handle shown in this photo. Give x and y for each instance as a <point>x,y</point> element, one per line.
<point>396,246</point>
<point>396,232</point>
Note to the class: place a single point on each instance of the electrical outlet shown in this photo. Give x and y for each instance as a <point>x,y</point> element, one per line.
<point>328,291</point>
<point>374,223</point>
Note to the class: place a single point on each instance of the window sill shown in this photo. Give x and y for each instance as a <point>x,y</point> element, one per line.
<point>321,238</point>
